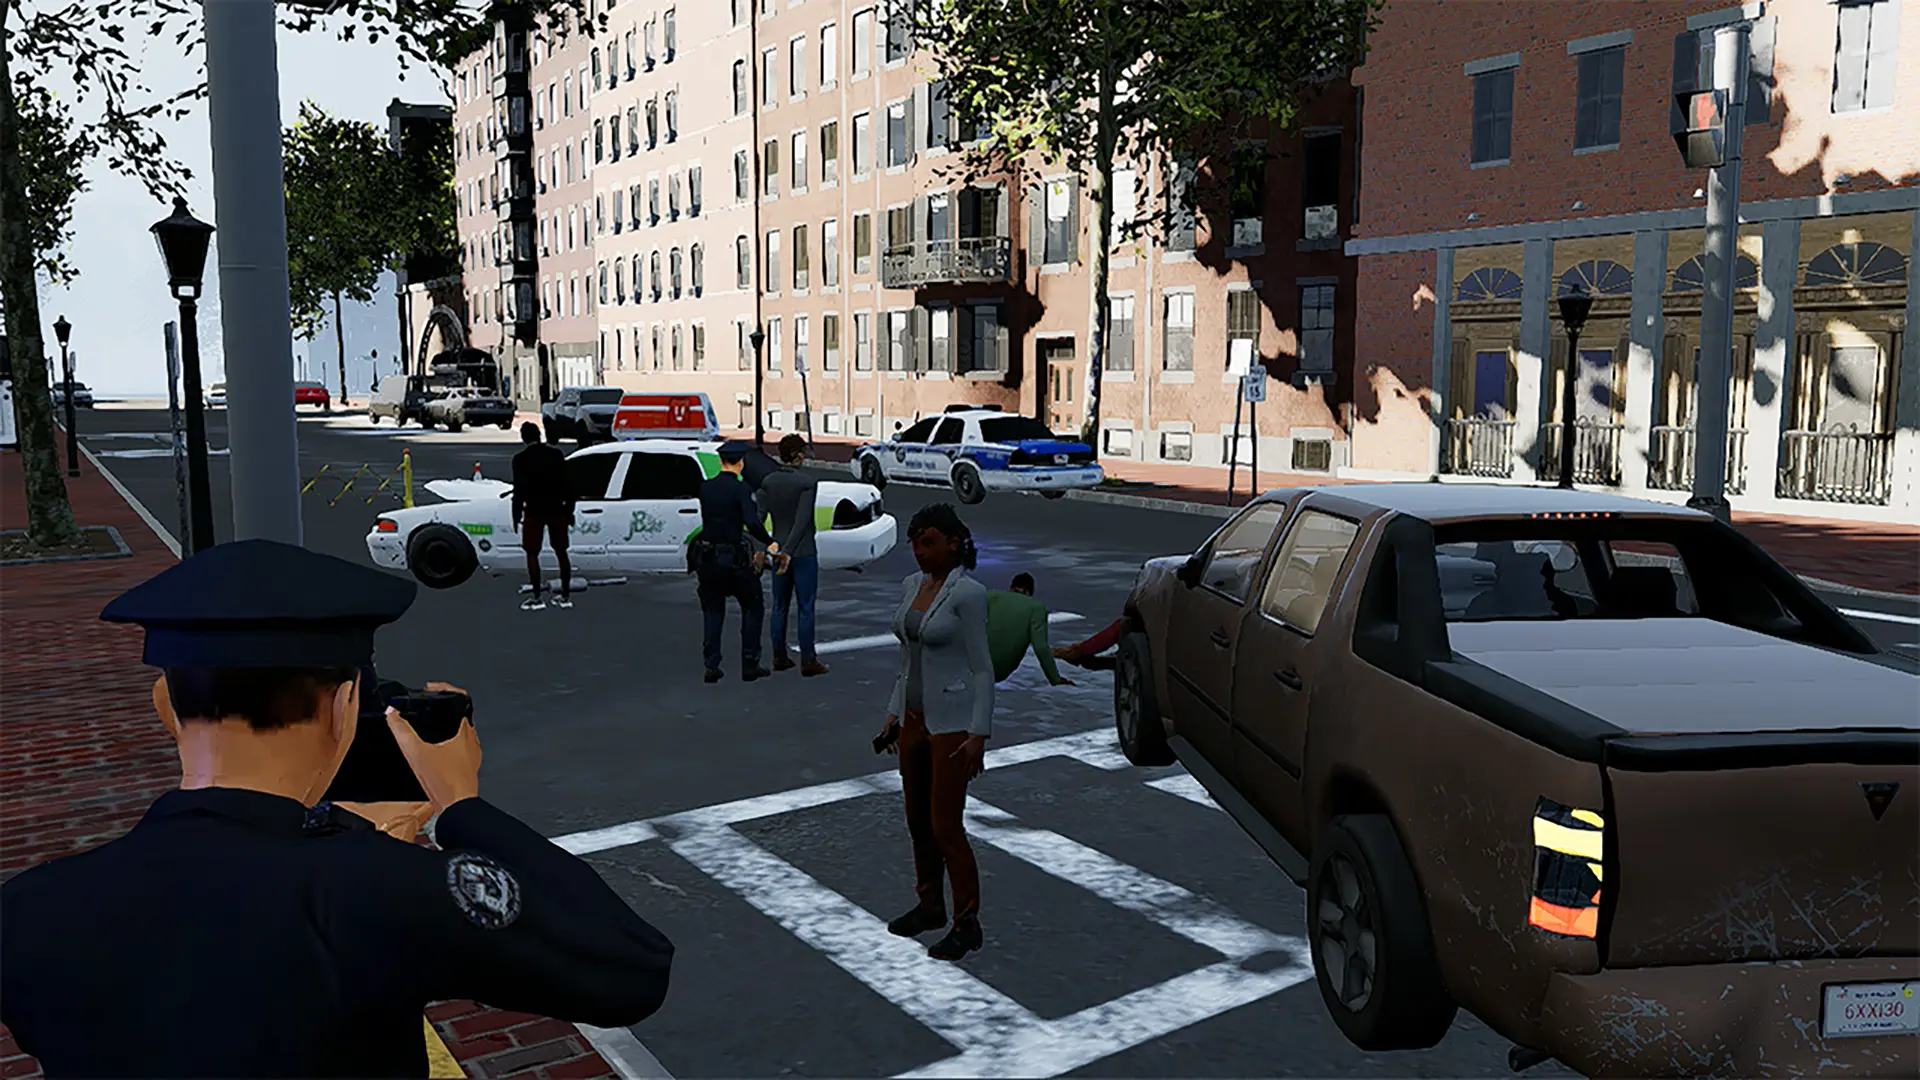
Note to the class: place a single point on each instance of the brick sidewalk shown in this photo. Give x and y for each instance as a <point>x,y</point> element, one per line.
<point>82,754</point>
<point>1864,555</point>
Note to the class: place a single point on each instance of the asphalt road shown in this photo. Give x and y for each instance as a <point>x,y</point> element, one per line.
<point>1132,929</point>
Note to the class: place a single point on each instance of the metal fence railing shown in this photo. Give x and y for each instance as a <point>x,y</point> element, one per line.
<point>1671,454</point>
<point>365,480</point>
<point>1596,452</point>
<point>1837,466</point>
<point>1478,446</point>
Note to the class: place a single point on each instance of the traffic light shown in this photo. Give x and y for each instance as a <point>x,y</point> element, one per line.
<point>1698,117</point>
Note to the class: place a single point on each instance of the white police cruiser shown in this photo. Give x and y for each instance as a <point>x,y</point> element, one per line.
<point>977,449</point>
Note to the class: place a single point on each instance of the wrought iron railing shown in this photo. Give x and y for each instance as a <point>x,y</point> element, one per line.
<point>938,262</point>
<point>1596,452</point>
<point>1671,455</point>
<point>1836,466</point>
<point>1478,446</point>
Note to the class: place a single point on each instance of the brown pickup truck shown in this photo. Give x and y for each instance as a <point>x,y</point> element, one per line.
<point>1599,771</point>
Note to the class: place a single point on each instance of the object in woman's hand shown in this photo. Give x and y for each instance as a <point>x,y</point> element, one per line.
<point>886,738</point>
<point>435,715</point>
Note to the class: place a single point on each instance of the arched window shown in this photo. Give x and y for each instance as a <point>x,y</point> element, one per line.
<point>1691,276</point>
<point>1600,277</point>
<point>1850,265</point>
<point>1489,283</point>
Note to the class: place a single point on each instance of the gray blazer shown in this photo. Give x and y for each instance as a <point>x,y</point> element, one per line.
<point>956,668</point>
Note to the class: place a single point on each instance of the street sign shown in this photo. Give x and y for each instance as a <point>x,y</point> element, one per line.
<point>1240,357</point>
<point>1253,386</point>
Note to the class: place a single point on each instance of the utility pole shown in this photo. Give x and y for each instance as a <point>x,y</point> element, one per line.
<point>249,191</point>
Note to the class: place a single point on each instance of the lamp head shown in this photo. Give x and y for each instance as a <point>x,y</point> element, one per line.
<point>62,329</point>
<point>183,241</point>
<point>1575,304</point>
<point>757,338</point>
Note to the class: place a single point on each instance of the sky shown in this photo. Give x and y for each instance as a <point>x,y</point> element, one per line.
<point>120,303</point>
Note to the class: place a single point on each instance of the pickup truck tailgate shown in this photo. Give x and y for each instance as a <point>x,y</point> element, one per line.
<point>1764,796</point>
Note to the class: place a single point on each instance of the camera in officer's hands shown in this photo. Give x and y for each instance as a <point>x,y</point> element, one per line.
<point>374,769</point>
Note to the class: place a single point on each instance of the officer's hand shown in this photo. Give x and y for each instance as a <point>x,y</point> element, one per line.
<point>781,563</point>
<point>759,562</point>
<point>448,772</point>
<point>400,820</point>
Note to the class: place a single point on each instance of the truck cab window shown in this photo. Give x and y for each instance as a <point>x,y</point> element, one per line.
<point>1307,568</point>
<point>1234,559</point>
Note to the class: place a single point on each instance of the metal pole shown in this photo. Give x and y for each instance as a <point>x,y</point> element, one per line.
<point>179,434</point>
<point>249,197</point>
<point>1233,441</point>
<point>1253,477</point>
<point>1713,375</point>
<point>73,448</point>
<point>200,493</point>
<point>759,382</point>
<point>1569,401</point>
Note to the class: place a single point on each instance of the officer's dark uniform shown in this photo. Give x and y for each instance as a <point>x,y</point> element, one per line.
<point>224,937</point>
<point>724,563</point>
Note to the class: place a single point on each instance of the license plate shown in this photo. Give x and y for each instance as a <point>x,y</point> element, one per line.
<point>1856,1009</point>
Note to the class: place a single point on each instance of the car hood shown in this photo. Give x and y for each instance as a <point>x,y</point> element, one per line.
<point>861,495</point>
<point>468,490</point>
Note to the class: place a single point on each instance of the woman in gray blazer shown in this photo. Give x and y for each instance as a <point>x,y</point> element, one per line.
<point>938,722</point>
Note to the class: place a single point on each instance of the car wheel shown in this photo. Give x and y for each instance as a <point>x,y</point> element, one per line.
<point>505,424</point>
<point>441,556</point>
<point>1373,953</point>
<point>1136,712</point>
<point>456,425</point>
<point>871,472</point>
<point>967,485</point>
<point>1053,494</point>
<point>373,417</point>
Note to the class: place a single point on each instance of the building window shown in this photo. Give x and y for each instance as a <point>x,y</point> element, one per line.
<point>830,253</point>
<point>1061,220</point>
<point>800,258</point>
<point>599,142</point>
<point>1596,122</point>
<point>862,341</point>
<point>939,116</point>
<point>799,155</point>
<point>742,263</point>
<point>1316,328</point>
<point>742,177</point>
<point>696,259</point>
<point>603,283</point>
<point>830,152</point>
<point>899,337</point>
<point>671,29</point>
<point>679,360</point>
<point>699,347</point>
<point>799,343</point>
<point>653,201</point>
<point>653,276</point>
<point>566,94</point>
<point>980,348</point>
<point>862,144</point>
<point>1492,116</point>
<point>648,33</point>
<point>653,123</point>
<point>1320,188</point>
<point>1248,195</point>
<point>739,87</point>
<point>1176,446</point>
<point>673,115</point>
<point>1178,351</point>
<point>673,197</point>
<point>1120,333</point>
<point>863,243</point>
<point>899,135</point>
<point>1864,53</point>
<point>634,204</point>
<point>1126,204</point>
<point>619,208</point>
<point>693,191</point>
<point>899,230</point>
<point>771,267</point>
<point>1182,192</point>
<point>830,342</point>
<point>773,344</point>
<point>939,216</point>
<point>899,32</point>
<point>829,54</point>
<point>940,337</point>
<point>770,168</point>
<point>769,77</point>
<point>862,42</point>
<point>797,67</point>
<point>657,351</point>
<point>673,273</point>
<point>742,350</point>
<point>619,281</point>
<point>1243,323</point>
<point>739,12</point>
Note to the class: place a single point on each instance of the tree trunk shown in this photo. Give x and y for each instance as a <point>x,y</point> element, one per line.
<point>340,343</point>
<point>49,514</point>
<point>1105,137</point>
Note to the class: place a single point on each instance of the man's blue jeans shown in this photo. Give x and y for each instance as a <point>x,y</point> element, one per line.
<point>799,584</point>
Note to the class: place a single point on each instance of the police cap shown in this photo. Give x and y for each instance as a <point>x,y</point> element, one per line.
<point>259,603</point>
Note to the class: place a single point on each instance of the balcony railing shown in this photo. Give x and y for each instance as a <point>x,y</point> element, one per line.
<point>1670,465</point>
<point>1836,466</point>
<point>945,262</point>
<point>1596,452</point>
<point>1478,446</point>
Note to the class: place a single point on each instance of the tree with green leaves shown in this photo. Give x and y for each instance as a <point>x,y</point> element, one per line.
<point>1094,84</point>
<point>114,116</point>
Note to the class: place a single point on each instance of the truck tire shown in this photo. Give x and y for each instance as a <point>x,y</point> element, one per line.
<point>1361,888</point>
<point>872,473</point>
<point>441,556</point>
<point>967,485</point>
<point>1136,712</point>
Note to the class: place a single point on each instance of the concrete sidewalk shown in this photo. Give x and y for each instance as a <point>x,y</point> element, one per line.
<point>82,755</point>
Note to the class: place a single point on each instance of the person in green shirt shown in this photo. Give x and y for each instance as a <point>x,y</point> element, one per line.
<point>1015,623</point>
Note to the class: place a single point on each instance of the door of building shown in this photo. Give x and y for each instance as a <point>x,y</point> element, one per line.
<point>1064,397</point>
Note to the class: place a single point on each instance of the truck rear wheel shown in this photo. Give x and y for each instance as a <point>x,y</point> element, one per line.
<point>441,556</point>
<point>1373,953</point>
<point>1136,713</point>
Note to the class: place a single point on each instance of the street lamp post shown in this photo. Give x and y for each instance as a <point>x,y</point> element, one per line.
<point>63,330</point>
<point>183,241</point>
<point>1575,304</point>
<point>757,339</point>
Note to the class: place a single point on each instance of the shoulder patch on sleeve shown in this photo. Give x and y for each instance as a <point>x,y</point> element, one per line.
<point>484,891</point>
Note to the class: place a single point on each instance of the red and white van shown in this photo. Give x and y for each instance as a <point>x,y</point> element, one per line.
<point>666,416</point>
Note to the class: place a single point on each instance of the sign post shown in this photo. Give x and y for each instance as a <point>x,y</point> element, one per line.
<point>1253,387</point>
<point>178,429</point>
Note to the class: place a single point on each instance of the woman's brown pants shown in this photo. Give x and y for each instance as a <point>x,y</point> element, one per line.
<point>935,785</point>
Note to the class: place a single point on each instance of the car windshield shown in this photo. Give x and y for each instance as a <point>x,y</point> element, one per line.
<point>610,396</point>
<point>309,386</point>
<point>1007,429</point>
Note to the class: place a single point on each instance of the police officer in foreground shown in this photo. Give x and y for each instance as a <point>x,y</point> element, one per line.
<point>223,937</point>
<point>727,566</point>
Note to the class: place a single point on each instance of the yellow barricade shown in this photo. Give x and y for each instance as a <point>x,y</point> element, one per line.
<point>376,483</point>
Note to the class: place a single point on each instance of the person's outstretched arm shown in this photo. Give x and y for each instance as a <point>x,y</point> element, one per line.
<point>1037,630</point>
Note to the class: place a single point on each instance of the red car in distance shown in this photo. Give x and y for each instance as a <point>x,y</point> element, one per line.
<point>312,393</point>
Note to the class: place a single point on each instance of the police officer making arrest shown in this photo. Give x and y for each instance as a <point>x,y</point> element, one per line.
<point>727,566</point>
<point>247,927</point>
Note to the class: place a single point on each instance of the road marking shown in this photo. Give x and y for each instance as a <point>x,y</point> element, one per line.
<point>1185,786</point>
<point>1881,616</point>
<point>627,1054</point>
<point>139,507</point>
<point>874,641</point>
<point>156,453</point>
<point>440,1061</point>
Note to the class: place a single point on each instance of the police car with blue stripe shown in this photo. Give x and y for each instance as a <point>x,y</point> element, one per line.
<point>977,449</point>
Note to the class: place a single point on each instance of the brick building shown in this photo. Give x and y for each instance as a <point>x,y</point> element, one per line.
<point>1512,148</point>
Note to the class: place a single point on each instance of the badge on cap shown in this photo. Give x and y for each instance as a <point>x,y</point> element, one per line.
<point>484,891</point>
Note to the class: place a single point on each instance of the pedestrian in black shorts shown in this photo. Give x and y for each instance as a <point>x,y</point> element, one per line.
<point>542,503</point>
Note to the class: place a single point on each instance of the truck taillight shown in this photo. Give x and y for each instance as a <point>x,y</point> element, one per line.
<point>386,525</point>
